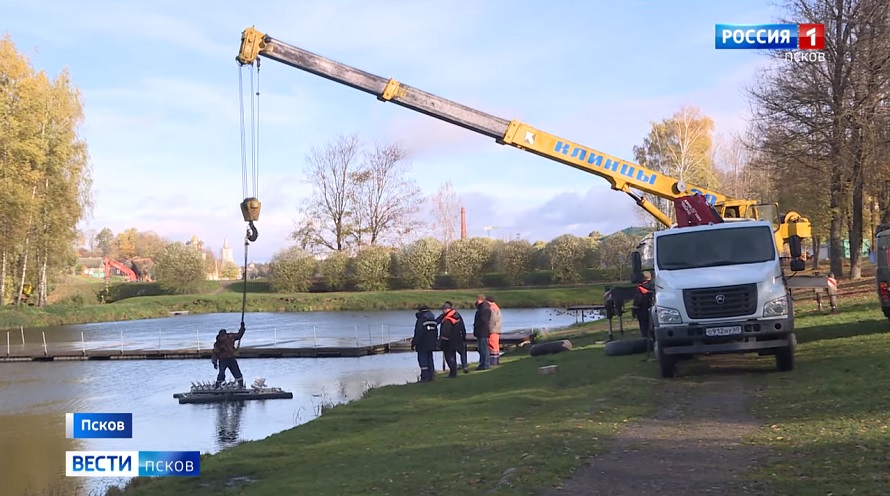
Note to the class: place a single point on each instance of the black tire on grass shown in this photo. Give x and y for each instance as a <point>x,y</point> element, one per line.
<point>785,356</point>
<point>551,347</point>
<point>627,347</point>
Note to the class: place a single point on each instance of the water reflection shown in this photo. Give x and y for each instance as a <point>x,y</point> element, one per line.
<point>228,424</point>
<point>32,455</point>
<point>36,396</point>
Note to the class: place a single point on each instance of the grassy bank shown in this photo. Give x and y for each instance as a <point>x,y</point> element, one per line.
<point>829,420</point>
<point>826,424</point>
<point>456,436</point>
<point>144,307</point>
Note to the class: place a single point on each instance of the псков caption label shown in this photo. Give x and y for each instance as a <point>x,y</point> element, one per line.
<point>99,425</point>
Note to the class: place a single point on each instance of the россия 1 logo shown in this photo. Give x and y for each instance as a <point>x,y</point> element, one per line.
<point>791,37</point>
<point>770,36</point>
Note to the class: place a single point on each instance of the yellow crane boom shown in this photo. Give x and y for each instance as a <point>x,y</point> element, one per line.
<point>622,175</point>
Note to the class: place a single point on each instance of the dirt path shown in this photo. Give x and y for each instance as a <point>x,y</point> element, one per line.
<point>692,445</point>
<point>222,287</point>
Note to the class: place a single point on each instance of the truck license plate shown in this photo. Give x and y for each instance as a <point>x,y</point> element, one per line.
<point>723,331</point>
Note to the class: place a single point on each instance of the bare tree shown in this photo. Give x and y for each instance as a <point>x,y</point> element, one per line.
<point>825,132</point>
<point>384,197</point>
<point>328,221</point>
<point>740,174</point>
<point>446,212</point>
<point>871,122</point>
<point>445,207</point>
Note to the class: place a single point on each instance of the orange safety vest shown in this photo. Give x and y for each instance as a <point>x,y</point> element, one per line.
<point>449,316</point>
<point>645,294</point>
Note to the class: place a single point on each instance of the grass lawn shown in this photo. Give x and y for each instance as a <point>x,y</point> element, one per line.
<point>827,423</point>
<point>452,436</point>
<point>829,420</point>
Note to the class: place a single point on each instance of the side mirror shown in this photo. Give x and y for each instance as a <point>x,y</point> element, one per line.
<point>636,268</point>
<point>794,247</point>
<point>798,265</point>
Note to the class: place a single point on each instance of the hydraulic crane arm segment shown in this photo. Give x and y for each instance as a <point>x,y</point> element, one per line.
<point>254,44</point>
<point>621,175</point>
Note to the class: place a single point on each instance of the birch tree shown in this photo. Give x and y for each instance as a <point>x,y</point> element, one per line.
<point>44,174</point>
<point>65,187</point>
<point>679,147</point>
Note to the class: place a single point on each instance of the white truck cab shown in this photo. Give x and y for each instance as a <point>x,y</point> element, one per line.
<point>718,288</point>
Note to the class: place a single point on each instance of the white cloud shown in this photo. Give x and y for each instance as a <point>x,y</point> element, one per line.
<point>429,138</point>
<point>598,209</point>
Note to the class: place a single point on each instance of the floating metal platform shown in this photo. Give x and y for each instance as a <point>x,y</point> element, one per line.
<point>206,392</point>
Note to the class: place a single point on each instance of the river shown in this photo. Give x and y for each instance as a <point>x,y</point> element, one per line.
<point>36,395</point>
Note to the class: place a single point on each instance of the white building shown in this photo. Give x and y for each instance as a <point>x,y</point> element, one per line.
<point>226,253</point>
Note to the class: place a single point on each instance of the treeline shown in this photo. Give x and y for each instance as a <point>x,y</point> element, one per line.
<point>140,250</point>
<point>819,137</point>
<point>822,129</point>
<point>45,176</point>
<point>465,263</point>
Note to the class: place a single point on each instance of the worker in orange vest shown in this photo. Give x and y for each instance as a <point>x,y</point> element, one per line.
<point>494,336</point>
<point>452,333</point>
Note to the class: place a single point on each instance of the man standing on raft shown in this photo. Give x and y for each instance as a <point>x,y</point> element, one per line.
<point>223,356</point>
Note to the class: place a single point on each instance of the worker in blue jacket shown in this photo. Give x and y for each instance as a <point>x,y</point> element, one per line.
<point>426,336</point>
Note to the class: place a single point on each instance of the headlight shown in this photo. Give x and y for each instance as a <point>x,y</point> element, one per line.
<point>776,308</point>
<point>668,315</point>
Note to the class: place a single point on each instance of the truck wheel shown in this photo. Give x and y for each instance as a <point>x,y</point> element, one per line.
<point>667,363</point>
<point>785,356</point>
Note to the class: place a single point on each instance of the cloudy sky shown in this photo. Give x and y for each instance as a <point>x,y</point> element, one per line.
<point>160,87</point>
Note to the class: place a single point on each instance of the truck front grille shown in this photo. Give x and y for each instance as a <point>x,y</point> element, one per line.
<point>716,303</point>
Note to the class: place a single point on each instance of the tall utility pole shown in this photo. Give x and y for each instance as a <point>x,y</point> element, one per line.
<point>463,223</point>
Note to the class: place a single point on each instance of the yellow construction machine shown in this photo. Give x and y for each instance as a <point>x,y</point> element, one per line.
<point>622,175</point>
